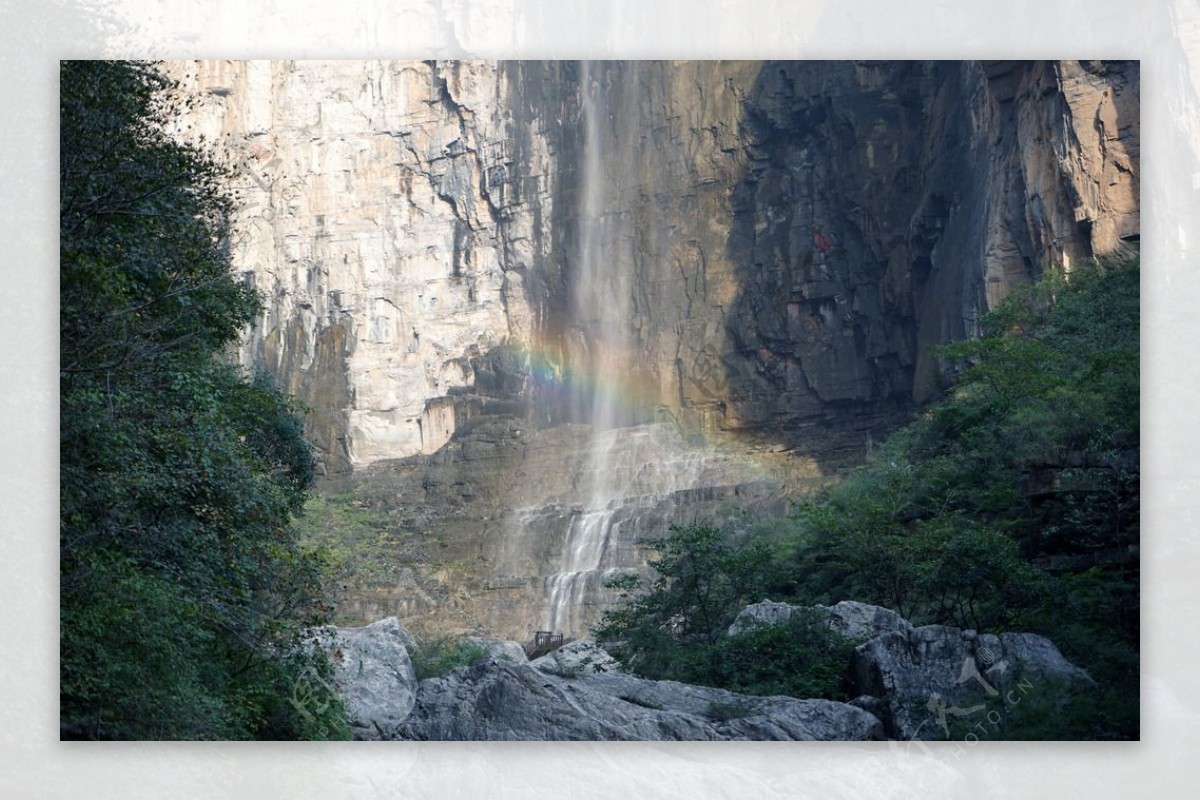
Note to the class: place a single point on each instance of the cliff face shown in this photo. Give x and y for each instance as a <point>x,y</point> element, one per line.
<point>460,258</point>
<point>372,201</point>
<point>793,237</point>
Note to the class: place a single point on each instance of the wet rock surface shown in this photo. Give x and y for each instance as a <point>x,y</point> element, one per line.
<point>501,518</point>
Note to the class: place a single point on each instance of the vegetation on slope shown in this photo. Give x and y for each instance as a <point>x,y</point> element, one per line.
<point>1012,504</point>
<point>184,588</point>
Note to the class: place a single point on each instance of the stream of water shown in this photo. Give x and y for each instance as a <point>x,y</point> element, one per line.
<point>601,301</point>
<point>633,473</point>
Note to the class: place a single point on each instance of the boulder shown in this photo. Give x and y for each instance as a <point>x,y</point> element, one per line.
<point>852,619</point>
<point>579,658</point>
<point>374,674</point>
<point>860,621</point>
<point>502,650</point>
<point>763,613</point>
<point>502,701</point>
<point>933,677</point>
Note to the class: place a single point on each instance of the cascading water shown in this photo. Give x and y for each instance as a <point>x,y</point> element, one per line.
<point>601,291</point>
<point>639,480</point>
<point>600,308</point>
<point>629,479</point>
<point>632,472</point>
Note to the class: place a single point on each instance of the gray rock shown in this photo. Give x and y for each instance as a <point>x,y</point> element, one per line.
<point>763,613</point>
<point>912,683</point>
<point>578,658</point>
<point>497,701</point>
<point>852,619</point>
<point>374,674</point>
<point>934,676</point>
<point>502,650</point>
<point>870,704</point>
<point>860,621</point>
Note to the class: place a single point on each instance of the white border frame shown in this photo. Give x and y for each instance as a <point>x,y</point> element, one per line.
<point>1164,34</point>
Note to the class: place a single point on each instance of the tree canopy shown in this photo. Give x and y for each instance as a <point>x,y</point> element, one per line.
<point>184,588</point>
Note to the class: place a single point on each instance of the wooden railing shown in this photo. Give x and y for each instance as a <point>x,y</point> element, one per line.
<point>543,642</point>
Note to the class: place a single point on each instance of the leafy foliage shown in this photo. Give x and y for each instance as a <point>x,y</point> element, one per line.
<point>367,547</point>
<point>675,627</point>
<point>1031,459</point>
<point>1014,502</point>
<point>437,655</point>
<point>702,581</point>
<point>802,658</point>
<point>183,585</point>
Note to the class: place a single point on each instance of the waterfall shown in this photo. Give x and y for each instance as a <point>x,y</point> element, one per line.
<point>601,284</point>
<point>632,473</point>
<point>601,304</point>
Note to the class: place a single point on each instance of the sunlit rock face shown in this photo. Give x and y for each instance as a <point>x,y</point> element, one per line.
<point>372,200</point>
<point>476,272</point>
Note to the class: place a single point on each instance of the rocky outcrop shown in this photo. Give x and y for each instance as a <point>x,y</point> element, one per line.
<point>763,613</point>
<point>374,674</point>
<point>499,650</point>
<point>575,659</point>
<point>921,681</point>
<point>911,683</point>
<point>852,619</point>
<point>859,621</point>
<point>544,701</point>
<point>930,678</point>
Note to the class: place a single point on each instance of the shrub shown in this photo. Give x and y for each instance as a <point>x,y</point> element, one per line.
<point>438,655</point>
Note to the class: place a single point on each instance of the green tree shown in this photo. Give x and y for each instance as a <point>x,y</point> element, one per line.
<point>183,586</point>
<point>702,580</point>
<point>675,625</point>
<point>801,657</point>
<point>1013,502</point>
<point>666,623</point>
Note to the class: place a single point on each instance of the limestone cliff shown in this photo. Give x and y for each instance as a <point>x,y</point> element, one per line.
<point>467,263</point>
<point>795,235</point>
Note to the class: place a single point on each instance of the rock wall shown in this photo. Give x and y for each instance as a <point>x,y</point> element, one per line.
<point>796,235</point>
<point>472,268</point>
<point>372,195</point>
